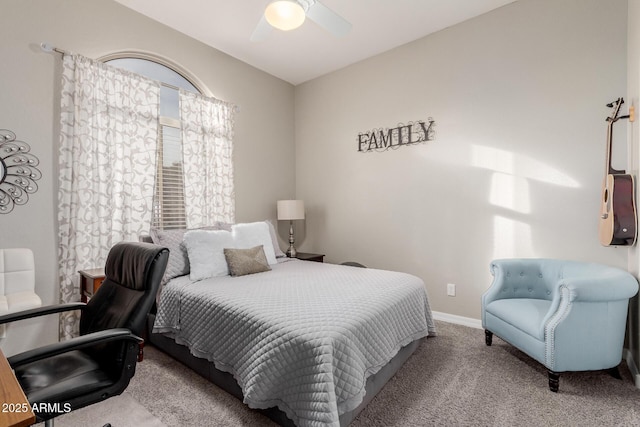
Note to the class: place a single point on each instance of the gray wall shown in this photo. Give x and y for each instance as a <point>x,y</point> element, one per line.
<point>515,170</point>
<point>29,86</point>
<point>518,96</point>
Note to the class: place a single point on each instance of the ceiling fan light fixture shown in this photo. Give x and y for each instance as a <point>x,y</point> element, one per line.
<point>284,15</point>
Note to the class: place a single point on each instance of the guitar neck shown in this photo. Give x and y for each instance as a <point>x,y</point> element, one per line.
<point>608,168</point>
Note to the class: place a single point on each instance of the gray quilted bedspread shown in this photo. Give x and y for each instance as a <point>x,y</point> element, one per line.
<point>304,337</point>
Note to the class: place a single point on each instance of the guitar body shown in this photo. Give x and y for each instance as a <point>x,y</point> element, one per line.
<point>618,220</point>
<point>618,215</point>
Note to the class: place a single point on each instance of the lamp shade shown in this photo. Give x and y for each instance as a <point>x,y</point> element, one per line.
<point>284,15</point>
<point>290,209</point>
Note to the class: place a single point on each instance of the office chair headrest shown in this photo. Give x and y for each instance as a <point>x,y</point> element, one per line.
<point>129,264</point>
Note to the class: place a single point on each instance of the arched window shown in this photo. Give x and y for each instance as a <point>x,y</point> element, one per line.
<point>168,204</point>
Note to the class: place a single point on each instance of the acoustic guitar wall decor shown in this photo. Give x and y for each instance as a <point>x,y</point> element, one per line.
<point>618,220</point>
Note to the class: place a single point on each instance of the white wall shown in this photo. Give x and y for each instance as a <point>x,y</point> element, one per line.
<point>633,90</point>
<point>29,87</point>
<point>518,96</point>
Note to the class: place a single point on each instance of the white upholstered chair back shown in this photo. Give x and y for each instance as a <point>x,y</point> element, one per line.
<point>17,282</point>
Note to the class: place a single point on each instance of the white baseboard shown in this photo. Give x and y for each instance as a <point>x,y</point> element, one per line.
<point>628,357</point>
<point>458,320</point>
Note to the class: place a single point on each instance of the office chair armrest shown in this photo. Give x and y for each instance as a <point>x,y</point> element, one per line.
<point>41,311</point>
<point>77,343</point>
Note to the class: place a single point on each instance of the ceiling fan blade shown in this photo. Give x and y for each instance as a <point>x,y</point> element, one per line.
<point>262,30</point>
<point>328,19</point>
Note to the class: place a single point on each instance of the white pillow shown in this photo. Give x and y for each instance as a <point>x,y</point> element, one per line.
<point>274,240</point>
<point>254,234</point>
<point>206,252</point>
<point>205,248</point>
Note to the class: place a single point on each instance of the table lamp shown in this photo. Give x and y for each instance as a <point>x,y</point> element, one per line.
<point>290,210</point>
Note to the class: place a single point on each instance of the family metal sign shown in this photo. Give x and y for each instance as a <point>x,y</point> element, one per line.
<point>384,139</point>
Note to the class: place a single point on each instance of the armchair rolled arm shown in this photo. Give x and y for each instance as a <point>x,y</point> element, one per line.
<point>610,287</point>
<point>77,343</point>
<point>41,311</point>
<point>542,278</point>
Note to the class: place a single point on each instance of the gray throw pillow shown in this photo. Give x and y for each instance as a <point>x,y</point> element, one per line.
<point>246,261</point>
<point>178,263</point>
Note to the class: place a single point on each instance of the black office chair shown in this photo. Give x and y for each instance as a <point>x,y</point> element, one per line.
<point>98,364</point>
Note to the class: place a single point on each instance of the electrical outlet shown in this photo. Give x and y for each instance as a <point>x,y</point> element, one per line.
<point>451,289</point>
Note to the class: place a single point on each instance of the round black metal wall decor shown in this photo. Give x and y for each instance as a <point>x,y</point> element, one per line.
<point>18,172</point>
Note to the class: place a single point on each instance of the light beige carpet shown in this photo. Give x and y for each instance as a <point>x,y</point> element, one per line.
<point>453,379</point>
<point>120,411</point>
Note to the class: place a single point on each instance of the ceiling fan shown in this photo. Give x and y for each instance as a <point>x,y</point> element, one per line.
<point>290,14</point>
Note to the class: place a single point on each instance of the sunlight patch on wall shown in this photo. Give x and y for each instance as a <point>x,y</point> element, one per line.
<point>511,238</point>
<point>510,192</point>
<point>519,165</point>
<point>510,182</point>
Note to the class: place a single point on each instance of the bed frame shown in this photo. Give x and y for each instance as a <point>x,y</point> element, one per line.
<point>226,381</point>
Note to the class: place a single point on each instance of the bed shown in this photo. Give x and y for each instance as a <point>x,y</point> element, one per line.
<point>310,343</point>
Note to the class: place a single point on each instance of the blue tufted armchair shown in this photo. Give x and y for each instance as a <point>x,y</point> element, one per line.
<point>567,315</point>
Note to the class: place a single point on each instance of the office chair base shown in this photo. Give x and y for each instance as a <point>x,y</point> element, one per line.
<point>49,423</point>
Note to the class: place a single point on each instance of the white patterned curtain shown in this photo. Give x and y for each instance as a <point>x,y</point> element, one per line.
<point>107,155</point>
<point>207,149</point>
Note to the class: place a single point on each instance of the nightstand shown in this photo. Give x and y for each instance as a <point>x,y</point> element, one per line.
<point>90,281</point>
<point>306,256</point>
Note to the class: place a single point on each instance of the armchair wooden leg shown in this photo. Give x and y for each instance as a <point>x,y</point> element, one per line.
<point>488,337</point>
<point>554,381</point>
<point>615,373</point>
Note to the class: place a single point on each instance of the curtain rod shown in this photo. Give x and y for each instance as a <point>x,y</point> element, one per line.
<point>46,47</point>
